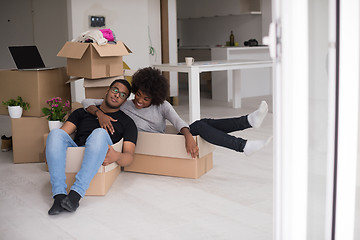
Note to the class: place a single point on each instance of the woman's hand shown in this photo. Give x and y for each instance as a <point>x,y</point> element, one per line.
<point>190,143</point>
<point>191,146</point>
<point>105,121</point>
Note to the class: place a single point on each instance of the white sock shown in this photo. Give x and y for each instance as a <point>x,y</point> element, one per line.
<point>252,146</point>
<point>256,118</point>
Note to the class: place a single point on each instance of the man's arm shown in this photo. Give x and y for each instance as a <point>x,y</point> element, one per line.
<point>123,158</point>
<point>68,127</point>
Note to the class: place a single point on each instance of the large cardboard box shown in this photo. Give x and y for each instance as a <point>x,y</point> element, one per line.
<point>34,87</point>
<point>89,60</point>
<point>165,154</point>
<point>27,137</point>
<point>103,179</point>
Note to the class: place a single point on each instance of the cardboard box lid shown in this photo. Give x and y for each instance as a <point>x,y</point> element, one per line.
<point>76,50</point>
<point>75,155</point>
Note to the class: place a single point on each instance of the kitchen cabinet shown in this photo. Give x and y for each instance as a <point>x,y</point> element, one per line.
<point>203,8</point>
<point>255,82</point>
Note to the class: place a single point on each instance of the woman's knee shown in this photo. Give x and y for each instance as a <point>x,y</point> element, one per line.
<point>197,126</point>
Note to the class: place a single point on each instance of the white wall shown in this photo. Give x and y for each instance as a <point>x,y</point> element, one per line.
<point>50,23</point>
<point>128,19</point>
<point>29,22</point>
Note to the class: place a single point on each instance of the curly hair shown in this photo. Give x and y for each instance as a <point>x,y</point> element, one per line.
<point>151,82</point>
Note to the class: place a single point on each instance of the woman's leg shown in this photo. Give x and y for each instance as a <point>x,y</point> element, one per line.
<point>228,125</point>
<point>57,143</point>
<point>216,131</point>
<point>215,136</point>
<point>96,147</point>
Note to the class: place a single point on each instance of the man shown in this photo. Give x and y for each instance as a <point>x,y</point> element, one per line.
<point>96,141</point>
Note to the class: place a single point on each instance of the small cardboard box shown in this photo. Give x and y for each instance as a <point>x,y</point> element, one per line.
<point>27,138</point>
<point>104,178</point>
<point>165,154</point>
<point>89,60</point>
<point>35,87</point>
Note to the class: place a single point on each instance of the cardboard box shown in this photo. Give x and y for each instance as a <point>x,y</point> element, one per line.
<point>27,137</point>
<point>97,88</point>
<point>104,178</point>
<point>89,60</point>
<point>165,154</point>
<point>35,87</point>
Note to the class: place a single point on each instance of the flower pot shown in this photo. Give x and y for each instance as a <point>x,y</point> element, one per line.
<point>15,111</point>
<point>55,124</point>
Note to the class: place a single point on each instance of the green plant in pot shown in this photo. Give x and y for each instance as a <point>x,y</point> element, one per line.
<point>16,106</point>
<point>56,112</point>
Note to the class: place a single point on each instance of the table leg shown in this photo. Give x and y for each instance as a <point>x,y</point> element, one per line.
<point>194,94</point>
<point>236,88</point>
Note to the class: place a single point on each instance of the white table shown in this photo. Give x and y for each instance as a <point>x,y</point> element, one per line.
<point>209,66</point>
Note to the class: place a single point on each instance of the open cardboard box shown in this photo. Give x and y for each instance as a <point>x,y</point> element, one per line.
<point>89,60</point>
<point>165,154</point>
<point>35,87</point>
<point>104,178</point>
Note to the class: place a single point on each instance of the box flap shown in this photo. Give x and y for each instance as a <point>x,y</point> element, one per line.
<point>128,49</point>
<point>161,144</point>
<point>204,147</point>
<point>75,155</point>
<point>110,50</point>
<point>73,50</point>
<point>169,144</point>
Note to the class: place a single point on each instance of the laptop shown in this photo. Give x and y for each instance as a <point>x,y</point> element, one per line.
<point>27,58</point>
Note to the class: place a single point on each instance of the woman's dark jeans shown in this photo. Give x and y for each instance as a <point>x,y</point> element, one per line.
<point>216,131</point>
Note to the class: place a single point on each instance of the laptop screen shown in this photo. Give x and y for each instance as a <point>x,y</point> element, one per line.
<point>26,57</point>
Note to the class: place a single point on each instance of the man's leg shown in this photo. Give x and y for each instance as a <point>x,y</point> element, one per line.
<point>96,147</point>
<point>56,145</point>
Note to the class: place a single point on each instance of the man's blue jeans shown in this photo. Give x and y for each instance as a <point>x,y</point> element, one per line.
<point>216,131</point>
<point>96,147</point>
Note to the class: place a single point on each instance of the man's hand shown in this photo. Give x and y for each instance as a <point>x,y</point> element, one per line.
<point>111,156</point>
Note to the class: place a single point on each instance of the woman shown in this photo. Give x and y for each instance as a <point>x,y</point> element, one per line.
<point>150,110</point>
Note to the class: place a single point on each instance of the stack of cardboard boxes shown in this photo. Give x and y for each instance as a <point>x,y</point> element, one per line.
<point>35,87</point>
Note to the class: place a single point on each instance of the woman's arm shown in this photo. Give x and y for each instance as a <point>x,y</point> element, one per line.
<point>123,158</point>
<point>90,101</point>
<point>190,143</point>
<point>104,120</point>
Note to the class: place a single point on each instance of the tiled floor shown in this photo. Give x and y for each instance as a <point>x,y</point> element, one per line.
<point>232,201</point>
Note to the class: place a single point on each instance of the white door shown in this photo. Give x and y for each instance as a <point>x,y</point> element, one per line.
<point>315,45</point>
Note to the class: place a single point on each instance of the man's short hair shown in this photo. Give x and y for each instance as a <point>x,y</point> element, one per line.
<point>123,82</point>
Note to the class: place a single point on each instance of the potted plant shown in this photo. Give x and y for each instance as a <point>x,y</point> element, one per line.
<point>16,106</point>
<point>56,112</point>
